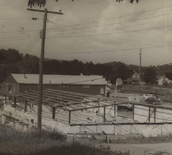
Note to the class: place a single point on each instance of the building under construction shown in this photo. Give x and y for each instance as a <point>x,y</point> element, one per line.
<point>76,113</point>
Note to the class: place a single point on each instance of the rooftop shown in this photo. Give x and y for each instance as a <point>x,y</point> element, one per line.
<point>60,79</point>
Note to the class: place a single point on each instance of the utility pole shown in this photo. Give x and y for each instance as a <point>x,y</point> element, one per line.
<point>39,123</point>
<point>140,56</point>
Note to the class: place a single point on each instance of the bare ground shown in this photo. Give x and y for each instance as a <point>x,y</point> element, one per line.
<point>144,149</point>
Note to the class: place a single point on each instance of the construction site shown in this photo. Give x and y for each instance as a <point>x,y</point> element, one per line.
<point>84,115</point>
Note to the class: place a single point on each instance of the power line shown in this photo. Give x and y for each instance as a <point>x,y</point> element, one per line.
<point>114,18</point>
<point>113,23</point>
<point>34,40</point>
<point>19,19</point>
<point>19,31</point>
<point>82,28</point>
<point>17,36</point>
<point>93,35</point>
<point>16,39</point>
<point>129,49</point>
<point>108,28</point>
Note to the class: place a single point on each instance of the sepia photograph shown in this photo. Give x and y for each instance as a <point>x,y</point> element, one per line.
<point>85,77</point>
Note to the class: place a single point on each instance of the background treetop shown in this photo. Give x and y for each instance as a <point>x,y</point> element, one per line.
<point>32,3</point>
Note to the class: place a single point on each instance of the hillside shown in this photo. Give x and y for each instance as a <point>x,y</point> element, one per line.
<point>11,61</point>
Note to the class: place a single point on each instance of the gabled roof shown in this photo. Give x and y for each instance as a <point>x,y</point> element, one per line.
<point>60,79</point>
<point>135,75</point>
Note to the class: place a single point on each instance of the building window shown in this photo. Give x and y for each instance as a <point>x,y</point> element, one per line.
<point>28,88</point>
<point>86,86</point>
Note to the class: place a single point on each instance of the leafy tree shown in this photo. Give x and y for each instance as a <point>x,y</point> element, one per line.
<point>29,64</point>
<point>150,75</point>
<point>40,3</point>
<point>169,75</point>
<point>120,70</point>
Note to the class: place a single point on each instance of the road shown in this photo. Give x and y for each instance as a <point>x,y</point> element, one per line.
<point>141,149</point>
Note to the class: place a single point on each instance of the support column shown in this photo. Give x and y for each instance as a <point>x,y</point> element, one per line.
<point>149,115</point>
<point>25,106</point>
<point>154,115</point>
<point>133,111</point>
<point>53,113</point>
<point>69,117</point>
<point>15,102</point>
<point>104,114</point>
<point>115,110</point>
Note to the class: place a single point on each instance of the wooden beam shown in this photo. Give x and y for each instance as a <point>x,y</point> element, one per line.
<point>154,114</point>
<point>133,111</point>
<point>104,114</point>
<point>86,95</point>
<point>115,110</point>
<point>69,117</point>
<point>53,113</point>
<point>149,115</point>
<point>15,99</point>
<point>25,106</point>
<point>124,123</point>
<point>93,107</point>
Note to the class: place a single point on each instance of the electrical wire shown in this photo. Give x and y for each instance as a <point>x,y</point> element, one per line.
<point>93,35</point>
<point>114,18</point>
<point>129,49</point>
<point>73,32</point>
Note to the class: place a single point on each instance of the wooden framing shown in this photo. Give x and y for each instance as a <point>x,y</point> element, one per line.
<point>123,123</point>
<point>70,102</point>
<point>154,114</point>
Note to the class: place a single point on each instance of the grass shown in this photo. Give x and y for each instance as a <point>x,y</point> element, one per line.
<point>13,142</point>
<point>142,140</point>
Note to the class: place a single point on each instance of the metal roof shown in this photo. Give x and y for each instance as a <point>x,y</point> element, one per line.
<point>60,79</point>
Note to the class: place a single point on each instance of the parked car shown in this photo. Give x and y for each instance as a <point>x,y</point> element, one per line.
<point>154,101</point>
<point>146,96</point>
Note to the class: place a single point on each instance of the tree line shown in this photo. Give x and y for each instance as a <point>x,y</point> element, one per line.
<point>11,61</point>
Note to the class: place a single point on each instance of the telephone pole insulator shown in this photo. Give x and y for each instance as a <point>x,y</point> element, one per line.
<point>34,18</point>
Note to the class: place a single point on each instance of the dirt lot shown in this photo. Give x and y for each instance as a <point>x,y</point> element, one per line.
<point>143,149</point>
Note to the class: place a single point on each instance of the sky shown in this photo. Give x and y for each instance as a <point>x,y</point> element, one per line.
<point>97,31</point>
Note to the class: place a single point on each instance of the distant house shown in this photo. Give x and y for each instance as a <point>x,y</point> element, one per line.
<point>88,84</point>
<point>161,80</point>
<point>134,79</point>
